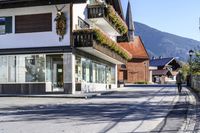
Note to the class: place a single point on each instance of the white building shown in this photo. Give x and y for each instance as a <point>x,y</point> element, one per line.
<point>41,54</point>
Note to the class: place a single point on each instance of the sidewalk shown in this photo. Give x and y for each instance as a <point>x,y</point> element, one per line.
<point>81,95</point>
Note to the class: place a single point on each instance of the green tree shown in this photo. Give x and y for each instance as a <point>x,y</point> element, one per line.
<point>185,70</point>
<point>195,64</point>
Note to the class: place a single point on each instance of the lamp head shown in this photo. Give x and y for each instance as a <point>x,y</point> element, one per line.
<point>191,52</point>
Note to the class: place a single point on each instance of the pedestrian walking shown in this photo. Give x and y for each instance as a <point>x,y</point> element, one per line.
<point>179,79</point>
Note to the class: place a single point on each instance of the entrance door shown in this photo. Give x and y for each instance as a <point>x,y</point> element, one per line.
<point>54,73</point>
<point>57,76</point>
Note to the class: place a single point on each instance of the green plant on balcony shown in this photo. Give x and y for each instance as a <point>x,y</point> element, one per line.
<point>116,20</point>
<point>105,41</point>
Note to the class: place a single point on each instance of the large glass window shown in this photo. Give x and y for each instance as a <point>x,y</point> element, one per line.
<point>49,68</point>
<point>3,69</point>
<point>94,72</point>
<point>20,68</point>
<point>101,74</point>
<point>112,75</point>
<point>30,68</point>
<point>11,68</point>
<point>86,75</point>
<point>25,68</point>
<point>34,68</point>
<point>78,70</point>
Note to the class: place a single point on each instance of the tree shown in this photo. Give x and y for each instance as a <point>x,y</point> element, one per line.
<point>195,64</point>
<point>185,70</point>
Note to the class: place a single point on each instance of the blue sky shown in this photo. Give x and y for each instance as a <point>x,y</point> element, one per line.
<point>180,17</point>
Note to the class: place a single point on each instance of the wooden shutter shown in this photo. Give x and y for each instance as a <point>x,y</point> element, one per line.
<point>33,23</point>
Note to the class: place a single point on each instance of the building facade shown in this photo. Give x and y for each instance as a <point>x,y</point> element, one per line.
<point>136,70</point>
<point>57,46</point>
<point>167,69</point>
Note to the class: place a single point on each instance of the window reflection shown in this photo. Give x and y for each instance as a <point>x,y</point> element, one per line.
<point>93,72</point>
<point>34,68</point>
<point>11,68</point>
<point>3,69</point>
<point>22,68</point>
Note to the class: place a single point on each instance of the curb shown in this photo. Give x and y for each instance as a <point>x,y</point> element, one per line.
<point>78,96</point>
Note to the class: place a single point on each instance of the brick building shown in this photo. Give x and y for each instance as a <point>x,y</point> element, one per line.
<point>137,69</point>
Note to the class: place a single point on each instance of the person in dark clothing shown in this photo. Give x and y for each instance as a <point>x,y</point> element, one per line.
<point>179,79</point>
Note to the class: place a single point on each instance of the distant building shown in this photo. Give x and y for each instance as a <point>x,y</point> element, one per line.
<point>136,69</point>
<point>166,71</point>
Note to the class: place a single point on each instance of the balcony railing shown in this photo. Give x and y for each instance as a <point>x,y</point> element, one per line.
<point>108,12</point>
<point>91,37</point>
<point>96,11</point>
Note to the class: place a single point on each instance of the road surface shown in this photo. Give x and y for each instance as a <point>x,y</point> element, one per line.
<point>130,109</point>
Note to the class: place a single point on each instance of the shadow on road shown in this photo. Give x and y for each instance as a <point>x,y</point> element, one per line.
<point>152,85</point>
<point>92,112</point>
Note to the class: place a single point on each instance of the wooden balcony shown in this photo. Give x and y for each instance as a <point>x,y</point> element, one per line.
<point>106,18</point>
<point>90,41</point>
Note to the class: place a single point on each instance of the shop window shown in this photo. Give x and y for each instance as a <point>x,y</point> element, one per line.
<point>5,25</point>
<point>101,76</point>
<point>11,68</point>
<point>112,75</point>
<point>78,70</point>
<point>35,68</point>
<point>94,72</point>
<point>3,69</point>
<point>30,68</point>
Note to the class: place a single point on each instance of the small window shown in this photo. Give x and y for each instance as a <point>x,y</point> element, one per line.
<point>5,25</point>
<point>83,24</point>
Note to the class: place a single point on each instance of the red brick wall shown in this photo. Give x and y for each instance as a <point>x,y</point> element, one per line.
<point>137,71</point>
<point>120,75</point>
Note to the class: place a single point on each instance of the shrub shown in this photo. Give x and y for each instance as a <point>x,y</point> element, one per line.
<point>142,82</point>
<point>116,20</point>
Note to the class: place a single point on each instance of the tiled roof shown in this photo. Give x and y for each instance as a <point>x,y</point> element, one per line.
<point>135,48</point>
<point>161,72</point>
<point>160,62</point>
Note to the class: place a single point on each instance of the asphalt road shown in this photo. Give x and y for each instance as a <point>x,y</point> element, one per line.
<point>130,109</point>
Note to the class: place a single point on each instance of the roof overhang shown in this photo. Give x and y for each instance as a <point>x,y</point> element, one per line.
<point>27,3</point>
<point>153,68</point>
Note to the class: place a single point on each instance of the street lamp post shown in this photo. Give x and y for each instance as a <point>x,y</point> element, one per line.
<point>191,52</point>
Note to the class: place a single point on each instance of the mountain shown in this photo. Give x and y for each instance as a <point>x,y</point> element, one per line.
<point>164,44</point>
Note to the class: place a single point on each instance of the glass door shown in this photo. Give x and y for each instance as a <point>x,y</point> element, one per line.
<point>54,73</point>
<point>57,76</point>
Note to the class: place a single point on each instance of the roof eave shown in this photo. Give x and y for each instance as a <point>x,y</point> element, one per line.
<point>4,4</point>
